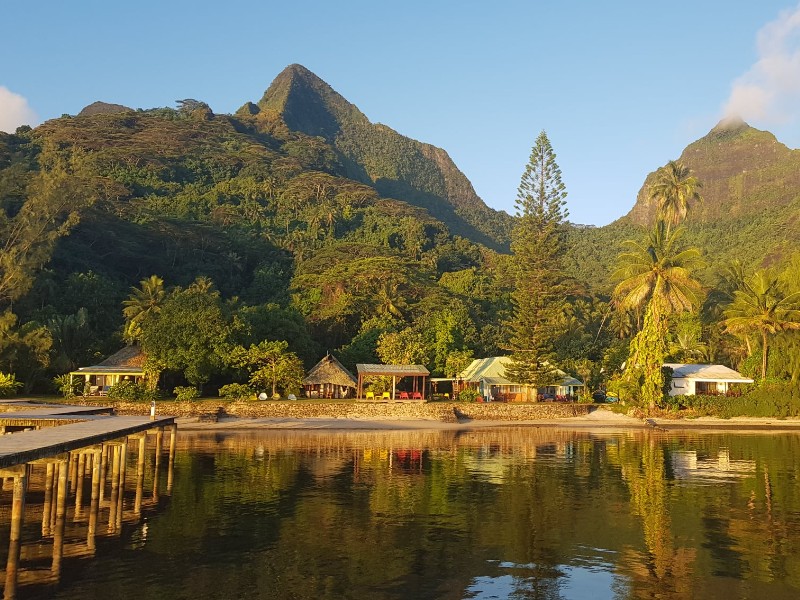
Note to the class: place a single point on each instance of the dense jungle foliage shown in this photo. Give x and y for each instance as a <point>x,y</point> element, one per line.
<point>298,220</point>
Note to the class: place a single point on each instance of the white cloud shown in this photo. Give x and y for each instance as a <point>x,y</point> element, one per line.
<point>14,111</point>
<point>769,92</point>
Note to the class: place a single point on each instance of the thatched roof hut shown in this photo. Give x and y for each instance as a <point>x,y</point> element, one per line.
<point>329,378</point>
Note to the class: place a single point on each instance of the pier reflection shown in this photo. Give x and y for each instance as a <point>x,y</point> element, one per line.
<point>70,494</point>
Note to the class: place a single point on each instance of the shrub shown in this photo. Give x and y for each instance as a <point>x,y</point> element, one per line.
<point>237,391</point>
<point>778,400</point>
<point>130,391</point>
<point>8,385</point>
<point>186,393</point>
<point>468,395</point>
<point>68,386</point>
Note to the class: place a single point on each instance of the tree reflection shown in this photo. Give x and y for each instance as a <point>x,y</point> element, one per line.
<point>665,570</point>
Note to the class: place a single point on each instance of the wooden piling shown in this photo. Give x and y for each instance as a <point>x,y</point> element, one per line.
<point>173,435</point>
<point>78,484</point>
<point>137,506</point>
<point>15,535</point>
<point>112,513</point>
<point>61,515</point>
<point>48,499</point>
<point>94,504</point>
<point>123,460</point>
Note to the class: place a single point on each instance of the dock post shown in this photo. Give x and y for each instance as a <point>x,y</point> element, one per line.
<point>78,484</point>
<point>123,460</point>
<point>112,513</point>
<point>103,471</point>
<point>61,514</point>
<point>173,434</point>
<point>14,538</point>
<point>73,471</point>
<point>94,503</point>
<point>54,501</point>
<point>159,449</point>
<point>137,505</point>
<point>48,499</point>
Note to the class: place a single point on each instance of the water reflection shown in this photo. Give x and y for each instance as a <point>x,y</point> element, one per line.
<point>59,507</point>
<point>508,513</point>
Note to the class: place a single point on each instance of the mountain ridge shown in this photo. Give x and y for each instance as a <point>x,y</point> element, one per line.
<point>373,153</point>
<point>744,171</point>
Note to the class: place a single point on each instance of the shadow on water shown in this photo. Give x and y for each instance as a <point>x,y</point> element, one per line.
<point>61,510</point>
<point>504,513</point>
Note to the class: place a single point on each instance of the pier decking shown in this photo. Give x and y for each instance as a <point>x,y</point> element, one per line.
<point>68,448</point>
<point>27,446</point>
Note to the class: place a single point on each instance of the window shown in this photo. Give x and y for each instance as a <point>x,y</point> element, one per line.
<point>706,388</point>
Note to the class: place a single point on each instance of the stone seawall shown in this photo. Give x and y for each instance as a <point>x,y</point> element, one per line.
<point>437,411</point>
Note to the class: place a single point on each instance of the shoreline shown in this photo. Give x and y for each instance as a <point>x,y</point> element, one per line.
<point>598,419</point>
<point>213,415</point>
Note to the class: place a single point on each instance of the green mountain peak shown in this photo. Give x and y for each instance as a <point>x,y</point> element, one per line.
<point>308,104</point>
<point>374,154</point>
<point>744,171</point>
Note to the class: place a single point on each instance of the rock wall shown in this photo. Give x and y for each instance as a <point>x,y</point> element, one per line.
<point>437,411</point>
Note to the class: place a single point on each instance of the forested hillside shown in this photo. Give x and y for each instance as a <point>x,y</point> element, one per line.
<point>298,220</point>
<point>397,166</point>
<point>284,243</point>
<point>750,210</point>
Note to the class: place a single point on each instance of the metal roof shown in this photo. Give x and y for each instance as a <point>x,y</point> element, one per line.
<point>395,370</point>
<point>496,381</point>
<point>706,373</point>
<point>492,370</point>
<point>101,370</point>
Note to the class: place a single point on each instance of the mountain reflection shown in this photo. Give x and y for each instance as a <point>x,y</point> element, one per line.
<point>513,512</point>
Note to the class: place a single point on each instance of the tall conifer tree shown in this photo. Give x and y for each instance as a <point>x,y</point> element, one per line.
<point>537,245</point>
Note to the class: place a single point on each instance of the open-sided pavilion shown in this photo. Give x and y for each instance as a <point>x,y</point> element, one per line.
<point>396,372</point>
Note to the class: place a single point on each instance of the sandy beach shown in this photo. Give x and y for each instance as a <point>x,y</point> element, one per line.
<point>597,419</point>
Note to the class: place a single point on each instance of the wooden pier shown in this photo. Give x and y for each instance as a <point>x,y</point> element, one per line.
<point>68,450</point>
<point>28,446</point>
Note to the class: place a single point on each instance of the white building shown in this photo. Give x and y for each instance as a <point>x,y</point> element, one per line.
<point>488,375</point>
<point>688,380</point>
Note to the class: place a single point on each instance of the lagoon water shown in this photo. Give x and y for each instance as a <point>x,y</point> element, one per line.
<point>522,513</point>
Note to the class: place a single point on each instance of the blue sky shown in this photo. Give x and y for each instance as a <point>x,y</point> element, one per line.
<point>620,87</point>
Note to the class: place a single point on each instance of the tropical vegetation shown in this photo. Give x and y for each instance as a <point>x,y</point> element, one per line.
<point>296,227</point>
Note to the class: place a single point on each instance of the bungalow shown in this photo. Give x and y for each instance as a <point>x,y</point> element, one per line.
<point>703,379</point>
<point>489,376</point>
<point>329,379</point>
<point>125,365</point>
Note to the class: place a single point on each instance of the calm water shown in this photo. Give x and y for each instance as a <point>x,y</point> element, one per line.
<point>509,513</point>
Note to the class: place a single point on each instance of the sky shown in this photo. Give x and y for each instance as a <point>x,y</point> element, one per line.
<point>620,87</point>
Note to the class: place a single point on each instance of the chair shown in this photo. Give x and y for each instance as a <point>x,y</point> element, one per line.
<point>417,396</point>
<point>386,396</point>
<point>403,395</point>
<point>370,396</point>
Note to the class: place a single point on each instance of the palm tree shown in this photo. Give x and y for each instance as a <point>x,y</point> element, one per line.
<point>762,306</point>
<point>143,302</point>
<point>656,277</point>
<point>202,284</point>
<point>673,189</point>
<point>657,272</point>
<point>687,347</point>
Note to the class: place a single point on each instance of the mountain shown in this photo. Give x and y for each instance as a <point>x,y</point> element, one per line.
<point>750,210</point>
<point>296,201</point>
<point>100,108</point>
<point>744,171</point>
<point>374,154</point>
